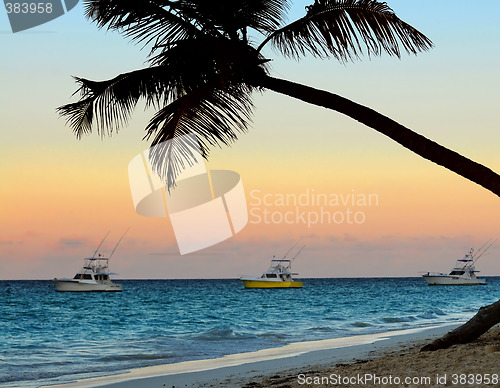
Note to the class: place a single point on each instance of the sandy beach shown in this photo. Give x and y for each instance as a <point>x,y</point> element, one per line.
<point>367,360</point>
<point>472,365</point>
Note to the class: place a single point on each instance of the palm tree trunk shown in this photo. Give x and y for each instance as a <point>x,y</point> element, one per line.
<point>419,144</point>
<point>486,318</point>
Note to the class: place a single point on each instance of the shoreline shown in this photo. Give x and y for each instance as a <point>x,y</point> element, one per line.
<point>291,359</point>
<point>475,364</point>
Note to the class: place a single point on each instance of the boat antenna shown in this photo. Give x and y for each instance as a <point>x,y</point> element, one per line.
<point>97,250</point>
<point>116,246</point>
<point>484,251</point>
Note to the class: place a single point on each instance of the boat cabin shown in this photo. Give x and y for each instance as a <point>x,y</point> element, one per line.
<point>82,276</point>
<point>457,273</point>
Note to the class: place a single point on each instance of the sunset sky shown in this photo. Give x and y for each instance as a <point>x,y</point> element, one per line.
<point>59,196</point>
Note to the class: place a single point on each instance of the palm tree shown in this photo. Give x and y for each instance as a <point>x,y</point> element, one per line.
<point>204,66</point>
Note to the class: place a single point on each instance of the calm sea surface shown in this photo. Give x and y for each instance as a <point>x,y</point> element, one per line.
<point>49,337</point>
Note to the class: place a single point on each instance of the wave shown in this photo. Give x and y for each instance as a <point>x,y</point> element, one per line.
<point>135,357</point>
<point>429,315</point>
<point>361,324</point>
<point>222,333</point>
<point>398,319</point>
<point>324,329</point>
<point>278,336</point>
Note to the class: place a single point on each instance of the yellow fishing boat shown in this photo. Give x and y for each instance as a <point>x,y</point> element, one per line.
<point>278,275</point>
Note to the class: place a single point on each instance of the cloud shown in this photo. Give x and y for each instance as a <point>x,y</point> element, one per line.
<point>71,242</point>
<point>8,242</point>
<point>31,233</point>
<point>68,242</point>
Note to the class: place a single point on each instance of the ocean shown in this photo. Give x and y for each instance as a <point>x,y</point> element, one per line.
<point>49,337</point>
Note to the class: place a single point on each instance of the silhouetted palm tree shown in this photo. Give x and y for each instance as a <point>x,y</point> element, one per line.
<point>204,67</point>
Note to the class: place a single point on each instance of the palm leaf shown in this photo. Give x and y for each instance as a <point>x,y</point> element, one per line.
<point>228,16</point>
<point>339,27</point>
<point>144,21</point>
<point>214,113</point>
<point>109,104</point>
<point>265,15</point>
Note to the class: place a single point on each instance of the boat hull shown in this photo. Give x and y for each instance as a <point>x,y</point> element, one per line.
<point>78,286</point>
<point>445,280</point>
<point>250,283</point>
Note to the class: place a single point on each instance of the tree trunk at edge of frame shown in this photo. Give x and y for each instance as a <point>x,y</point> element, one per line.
<point>486,317</point>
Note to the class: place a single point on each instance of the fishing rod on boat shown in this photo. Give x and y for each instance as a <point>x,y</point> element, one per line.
<point>286,254</point>
<point>482,253</point>
<point>298,252</point>
<point>97,250</point>
<point>482,246</point>
<point>116,246</point>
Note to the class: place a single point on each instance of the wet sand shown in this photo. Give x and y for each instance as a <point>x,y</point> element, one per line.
<point>476,364</point>
<point>391,359</point>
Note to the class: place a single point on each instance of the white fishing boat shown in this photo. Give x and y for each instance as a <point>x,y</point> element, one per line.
<point>94,276</point>
<point>463,274</point>
<point>278,275</point>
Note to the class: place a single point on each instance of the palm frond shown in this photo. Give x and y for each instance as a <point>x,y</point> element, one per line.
<point>144,21</point>
<point>79,116</point>
<point>339,27</point>
<point>228,16</point>
<point>214,113</point>
<point>108,104</point>
<point>266,16</point>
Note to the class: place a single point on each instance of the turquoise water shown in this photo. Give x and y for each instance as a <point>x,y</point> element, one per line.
<point>50,337</point>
